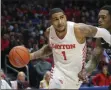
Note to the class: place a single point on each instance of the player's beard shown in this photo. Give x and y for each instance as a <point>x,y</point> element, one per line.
<point>60,31</point>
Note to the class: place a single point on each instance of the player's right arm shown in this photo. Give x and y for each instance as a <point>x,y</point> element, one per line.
<point>44,51</point>
<point>85,30</point>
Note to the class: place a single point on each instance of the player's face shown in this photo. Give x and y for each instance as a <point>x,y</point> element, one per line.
<point>59,21</point>
<point>104,19</point>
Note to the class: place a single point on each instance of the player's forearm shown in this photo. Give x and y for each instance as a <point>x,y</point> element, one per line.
<point>91,64</point>
<point>44,51</point>
<point>94,60</point>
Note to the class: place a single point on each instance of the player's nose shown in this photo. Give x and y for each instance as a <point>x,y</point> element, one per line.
<point>60,21</point>
<point>100,21</point>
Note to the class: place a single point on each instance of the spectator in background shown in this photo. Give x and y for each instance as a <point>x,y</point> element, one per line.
<point>13,41</point>
<point>83,19</point>
<point>2,74</point>
<point>41,68</point>
<point>4,84</point>
<point>31,27</point>
<point>33,76</point>
<point>20,83</point>
<point>5,42</point>
<point>35,47</point>
<point>41,41</point>
<point>89,52</point>
<point>4,48</point>
<point>4,29</point>
<point>16,28</point>
<point>44,84</point>
<point>101,63</point>
<point>103,78</point>
<point>50,60</point>
<point>4,77</point>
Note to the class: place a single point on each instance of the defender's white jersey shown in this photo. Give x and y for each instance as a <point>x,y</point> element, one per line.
<point>68,54</point>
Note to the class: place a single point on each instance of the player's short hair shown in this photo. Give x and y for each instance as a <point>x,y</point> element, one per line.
<point>55,10</point>
<point>107,7</point>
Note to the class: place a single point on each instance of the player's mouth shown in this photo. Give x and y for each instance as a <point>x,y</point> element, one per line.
<point>100,24</point>
<point>60,26</point>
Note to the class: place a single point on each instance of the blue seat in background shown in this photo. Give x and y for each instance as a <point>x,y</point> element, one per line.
<point>94,88</point>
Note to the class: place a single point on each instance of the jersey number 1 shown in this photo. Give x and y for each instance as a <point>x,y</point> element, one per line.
<point>64,55</point>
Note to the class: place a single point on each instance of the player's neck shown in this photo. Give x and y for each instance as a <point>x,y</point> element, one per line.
<point>61,35</point>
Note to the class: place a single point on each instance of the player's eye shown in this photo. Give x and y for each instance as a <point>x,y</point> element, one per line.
<point>62,17</point>
<point>55,19</point>
<point>102,17</point>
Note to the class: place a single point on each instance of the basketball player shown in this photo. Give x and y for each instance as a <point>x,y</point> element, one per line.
<point>67,42</point>
<point>102,46</point>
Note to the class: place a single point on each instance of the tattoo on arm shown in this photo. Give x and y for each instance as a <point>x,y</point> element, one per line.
<point>91,64</point>
<point>87,30</point>
<point>44,51</point>
<point>94,60</point>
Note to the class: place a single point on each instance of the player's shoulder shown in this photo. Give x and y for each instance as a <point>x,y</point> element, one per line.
<point>47,31</point>
<point>77,27</point>
<point>79,30</point>
<point>70,22</point>
<point>80,26</point>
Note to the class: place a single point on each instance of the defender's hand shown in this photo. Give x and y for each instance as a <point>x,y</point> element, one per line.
<point>83,76</point>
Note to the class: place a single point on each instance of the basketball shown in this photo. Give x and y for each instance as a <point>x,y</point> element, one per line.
<point>19,56</point>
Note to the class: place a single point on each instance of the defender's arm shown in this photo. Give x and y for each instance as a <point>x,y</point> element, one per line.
<point>94,60</point>
<point>95,57</point>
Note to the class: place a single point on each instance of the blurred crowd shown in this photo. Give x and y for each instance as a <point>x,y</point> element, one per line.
<point>24,23</point>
